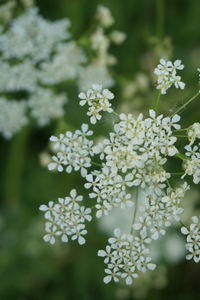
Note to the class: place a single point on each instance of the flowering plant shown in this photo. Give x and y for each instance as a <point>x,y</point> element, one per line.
<point>129,168</point>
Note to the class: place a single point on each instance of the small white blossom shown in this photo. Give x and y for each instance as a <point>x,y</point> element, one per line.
<point>66,218</point>
<point>73,151</point>
<point>104,16</point>
<point>167,76</point>
<point>97,100</point>
<point>125,256</point>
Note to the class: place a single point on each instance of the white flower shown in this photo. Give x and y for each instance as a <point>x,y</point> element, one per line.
<point>66,218</point>
<point>12,117</point>
<point>166,75</point>
<point>117,37</point>
<point>46,106</point>
<point>73,151</point>
<point>104,16</point>
<point>97,100</point>
<point>31,35</point>
<point>124,258</point>
<point>65,64</point>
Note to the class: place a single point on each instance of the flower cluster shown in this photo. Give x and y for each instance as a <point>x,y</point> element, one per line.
<point>12,117</point>
<point>73,151</point>
<point>66,218</point>
<point>167,76</point>
<point>30,35</point>
<point>97,100</point>
<point>160,208</point>
<point>126,256</point>
<point>33,48</point>
<point>193,239</point>
<point>109,190</point>
<point>134,160</point>
<point>45,106</point>
<point>192,163</point>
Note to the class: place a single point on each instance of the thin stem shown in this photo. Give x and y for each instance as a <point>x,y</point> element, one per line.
<point>177,130</point>
<point>180,156</point>
<point>14,168</point>
<point>135,209</point>
<point>160,9</point>
<point>157,101</point>
<point>96,164</point>
<point>116,114</point>
<point>177,174</point>
<point>169,185</point>
<point>186,104</point>
<point>181,136</point>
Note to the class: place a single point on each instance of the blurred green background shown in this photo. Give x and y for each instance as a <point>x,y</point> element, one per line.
<point>33,270</point>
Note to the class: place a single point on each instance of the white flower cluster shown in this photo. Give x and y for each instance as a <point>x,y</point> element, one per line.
<point>126,256</point>
<point>12,116</point>
<point>45,106</point>
<point>66,218</point>
<point>166,73</point>
<point>109,189</point>
<point>97,71</point>
<point>192,164</point>
<point>133,158</point>
<point>30,35</point>
<point>193,239</point>
<point>73,151</point>
<point>33,48</point>
<point>160,208</point>
<point>65,65</point>
<point>104,16</point>
<point>97,100</point>
<point>18,77</point>
<point>140,146</point>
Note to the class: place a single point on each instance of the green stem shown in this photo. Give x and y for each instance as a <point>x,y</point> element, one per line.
<point>186,104</point>
<point>157,102</point>
<point>14,168</point>
<point>177,174</point>
<point>180,156</point>
<point>160,9</point>
<point>96,164</point>
<point>135,209</point>
<point>181,136</point>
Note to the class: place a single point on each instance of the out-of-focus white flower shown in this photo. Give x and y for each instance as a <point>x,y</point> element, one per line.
<point>22,76</point>
<point>46,106</point>
<point>94,71</point>
<point>12,117</point>
<point>117,37</point>
<point>32,35</point>
<point>167,76</point>
<point>193,239</point>
<point>104,16</point>
<point>64,65</point>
